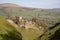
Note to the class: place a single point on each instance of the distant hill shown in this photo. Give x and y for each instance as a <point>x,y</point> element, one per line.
<point>9,5</point>
<point>56,9</point>
<point>9,8</point>
<point>15,9</point>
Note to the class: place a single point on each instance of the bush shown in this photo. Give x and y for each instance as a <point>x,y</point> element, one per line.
<point>11,36</point>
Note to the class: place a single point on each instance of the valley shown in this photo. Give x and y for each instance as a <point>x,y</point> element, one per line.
<point>23,23</point>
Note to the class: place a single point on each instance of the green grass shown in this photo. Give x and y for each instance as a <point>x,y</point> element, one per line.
<point>1,14</point>
<point>51,32</point>
<point>26,13</point>
<point>4,25</point>
<point>30,34</point>
<point>7,31</point>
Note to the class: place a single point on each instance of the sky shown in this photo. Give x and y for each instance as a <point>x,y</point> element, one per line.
<point>35,3</point>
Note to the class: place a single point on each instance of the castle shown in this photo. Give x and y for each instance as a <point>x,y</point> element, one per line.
<point>19,21</point>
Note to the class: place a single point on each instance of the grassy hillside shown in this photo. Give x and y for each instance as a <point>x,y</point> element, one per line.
<point>8,32</point>
<point>1,14</point>
<point>30,34</point>
<point>48,35</point>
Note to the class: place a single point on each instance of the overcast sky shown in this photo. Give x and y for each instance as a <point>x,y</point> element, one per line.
<point>35,3</point>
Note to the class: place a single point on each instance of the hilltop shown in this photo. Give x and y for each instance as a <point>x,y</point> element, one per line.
<point>9,5</point>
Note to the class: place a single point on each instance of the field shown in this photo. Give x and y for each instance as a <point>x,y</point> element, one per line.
<point>50,17</point>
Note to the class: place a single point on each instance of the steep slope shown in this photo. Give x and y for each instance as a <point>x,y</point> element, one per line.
<point>8,32</point>
<point>49,35</point>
